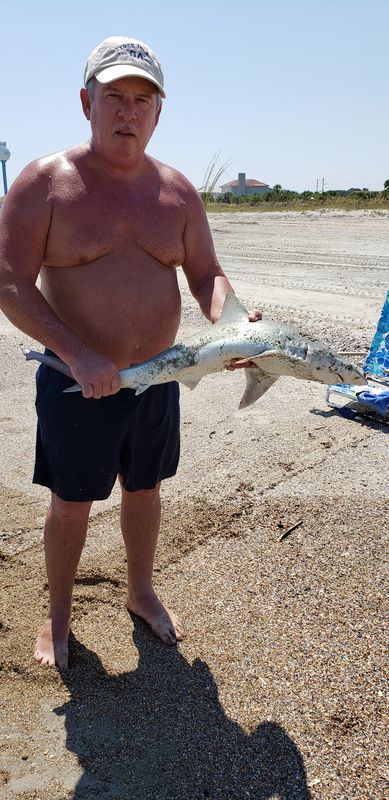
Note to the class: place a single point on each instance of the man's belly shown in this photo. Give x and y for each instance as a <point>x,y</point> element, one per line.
<point>127,312</point>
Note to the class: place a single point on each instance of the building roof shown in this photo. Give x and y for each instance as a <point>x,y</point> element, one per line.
<point>248,182</point>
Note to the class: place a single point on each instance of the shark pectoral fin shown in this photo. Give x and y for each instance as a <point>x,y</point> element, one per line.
<point>188,379</point>
<point>190,384</point>
<point>257,383</point>
<point>233,311</point>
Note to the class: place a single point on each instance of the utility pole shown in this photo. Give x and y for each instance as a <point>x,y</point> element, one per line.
<point>4,156</point>
<point>322,185</point>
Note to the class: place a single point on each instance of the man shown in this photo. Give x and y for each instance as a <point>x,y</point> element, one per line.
<point>105,226</point>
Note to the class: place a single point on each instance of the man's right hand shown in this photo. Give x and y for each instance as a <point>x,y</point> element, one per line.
<point>98,376</point>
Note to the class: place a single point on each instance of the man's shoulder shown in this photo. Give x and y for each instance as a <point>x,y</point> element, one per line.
<point>59,162</point>
<point>41,171</point>
<point>174,179</point>
<point>35,184</point>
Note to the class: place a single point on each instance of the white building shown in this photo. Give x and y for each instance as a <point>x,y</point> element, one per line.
<point>245,186</point>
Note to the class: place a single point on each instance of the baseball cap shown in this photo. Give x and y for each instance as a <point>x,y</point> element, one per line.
<point>122,57</point>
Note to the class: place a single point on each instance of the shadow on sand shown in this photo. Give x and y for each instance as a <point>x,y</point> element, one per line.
<point>352,412</point>
<point>160,733</point>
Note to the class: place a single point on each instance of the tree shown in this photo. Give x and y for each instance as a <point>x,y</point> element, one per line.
<point>386,184</point>
<point>277,187</point>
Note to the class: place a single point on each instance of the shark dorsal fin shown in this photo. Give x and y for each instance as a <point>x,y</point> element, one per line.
<point>233,311</point>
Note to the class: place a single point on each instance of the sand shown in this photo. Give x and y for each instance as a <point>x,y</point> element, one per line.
<point>278,691</point>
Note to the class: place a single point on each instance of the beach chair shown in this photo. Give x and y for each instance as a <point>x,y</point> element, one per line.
<point>373,398</point>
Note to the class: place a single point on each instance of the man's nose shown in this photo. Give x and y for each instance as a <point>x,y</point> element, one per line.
<point>127,110</point>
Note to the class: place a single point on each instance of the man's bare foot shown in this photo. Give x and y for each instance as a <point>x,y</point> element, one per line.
<point>163,622</point>
<point>51,653</point>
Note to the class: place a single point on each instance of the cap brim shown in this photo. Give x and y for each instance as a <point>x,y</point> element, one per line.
<point>126,71</point>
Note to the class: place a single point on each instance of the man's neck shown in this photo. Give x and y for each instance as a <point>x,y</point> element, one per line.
<point>120,168</point>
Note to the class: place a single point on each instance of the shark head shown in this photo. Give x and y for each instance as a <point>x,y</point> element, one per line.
<point>307,360</point>
<point>327,367</point>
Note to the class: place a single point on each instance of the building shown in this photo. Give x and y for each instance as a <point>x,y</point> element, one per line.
<point>245,186</point>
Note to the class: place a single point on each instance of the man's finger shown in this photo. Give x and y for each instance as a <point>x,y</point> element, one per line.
<point>98,391</point>
<point>116,383</point>
<point>111,386</point>
<point>242,363</point>
<point>255,315</point>
<point>87,390</point>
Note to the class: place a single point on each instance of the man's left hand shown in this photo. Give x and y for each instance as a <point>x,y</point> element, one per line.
<point>255,315</point>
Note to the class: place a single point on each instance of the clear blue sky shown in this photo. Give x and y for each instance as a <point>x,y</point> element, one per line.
<point>291,90</point>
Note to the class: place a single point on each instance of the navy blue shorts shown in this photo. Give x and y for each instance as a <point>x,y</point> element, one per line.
<point>84,444</point>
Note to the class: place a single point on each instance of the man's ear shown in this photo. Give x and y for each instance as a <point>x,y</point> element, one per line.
<point>158,114</point>
<point>85,102</point>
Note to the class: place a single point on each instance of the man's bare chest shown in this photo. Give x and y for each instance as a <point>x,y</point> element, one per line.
<point>86,227</point>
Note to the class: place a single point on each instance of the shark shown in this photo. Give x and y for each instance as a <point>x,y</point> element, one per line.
<point>268,350</point>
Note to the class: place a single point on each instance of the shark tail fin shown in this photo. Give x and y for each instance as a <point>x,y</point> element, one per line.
<point>74,388</point>
<point>51,361</point>
<point>257,383</point>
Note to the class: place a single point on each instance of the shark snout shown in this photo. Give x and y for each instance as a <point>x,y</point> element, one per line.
<point>330,368</point>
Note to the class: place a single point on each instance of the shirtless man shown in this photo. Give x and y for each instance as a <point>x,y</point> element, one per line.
<point>105,226</point>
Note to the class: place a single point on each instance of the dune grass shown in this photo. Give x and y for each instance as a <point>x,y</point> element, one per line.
<point>351,203</point>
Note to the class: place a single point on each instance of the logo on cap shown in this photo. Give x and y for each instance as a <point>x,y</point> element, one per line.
<point>119,51</point>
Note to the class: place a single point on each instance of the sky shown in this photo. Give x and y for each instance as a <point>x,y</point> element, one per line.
<point>293,92</point>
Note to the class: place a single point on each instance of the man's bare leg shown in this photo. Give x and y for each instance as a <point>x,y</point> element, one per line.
<point>64,537</point>
<point>140,520</point>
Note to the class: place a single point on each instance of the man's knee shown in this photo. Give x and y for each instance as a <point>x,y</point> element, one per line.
<point>154,491</point>
<point>70,511</point>
<point>148,492</point>
<point>141,495</point>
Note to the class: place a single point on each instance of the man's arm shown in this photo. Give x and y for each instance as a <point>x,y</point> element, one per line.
<point>24,228</point>
<point>207,281</point>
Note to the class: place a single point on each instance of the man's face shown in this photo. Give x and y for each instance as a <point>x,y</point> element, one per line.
<point>123,115</point>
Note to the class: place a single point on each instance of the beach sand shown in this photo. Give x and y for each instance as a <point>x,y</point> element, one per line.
<point>278,690</point>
